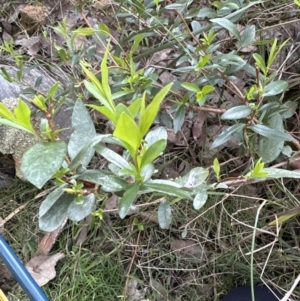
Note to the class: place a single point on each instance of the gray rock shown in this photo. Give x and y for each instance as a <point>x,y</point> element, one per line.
<point>14,141</point>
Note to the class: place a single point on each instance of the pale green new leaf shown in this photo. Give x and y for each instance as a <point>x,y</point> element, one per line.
<point>22,113</point>
<point>164,214</point>
<point>104,78</point>
<point>127,199</point>
<point>135,107</point>
<point>41,161</point>
<point>148,114</point>
<point>105,111</point>
<point>129,133</point>
<point>92,88</point>
<point>6,113</point>
<point>190,87</point>
<point>237,112</point>
<point>14,125</point>
<point>153,152</point>
<point>260,62</point>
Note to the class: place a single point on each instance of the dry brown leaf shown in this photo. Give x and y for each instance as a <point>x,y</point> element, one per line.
<point>49,239</point>
<point>197,129</point>
<point>42,267</point>
<point>188,247</point>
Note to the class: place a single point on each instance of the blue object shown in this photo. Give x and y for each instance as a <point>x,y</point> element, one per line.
<point>15,266</point>
<point>243,293</point>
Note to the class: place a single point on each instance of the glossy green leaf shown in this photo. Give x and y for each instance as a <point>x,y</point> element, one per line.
<point>77,212</point>
<point>190,87</point>
<point>227,134</point>
<point>164,214</point>
<point>275,88</point>
<point>153,152</point>
<point>148,114</point>
<point>41,161</point>
<point>269,149</point>
<point>271,133</point>
<point>129,133</point>
<point>84,131</point>
<point>127,199</point>
<point>237,112</point>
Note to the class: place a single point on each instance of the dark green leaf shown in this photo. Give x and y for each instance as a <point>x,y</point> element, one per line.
<point>112,156</point>
<point>270,149</point>
<point>236,113</point>
<point>80,156</point>
<point>271,133</point>
<point>108,182</point>
<point>56,215</point>
<point>41,161</point>
<point>227,134</point>
<point>248,36</point>
<point>84,131</point>
<point>179,118</point>
<point>164,214</point>
<point>77,212</point>
<point>127,199</point>
<point>229,26</point>
<point>167,187</point>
